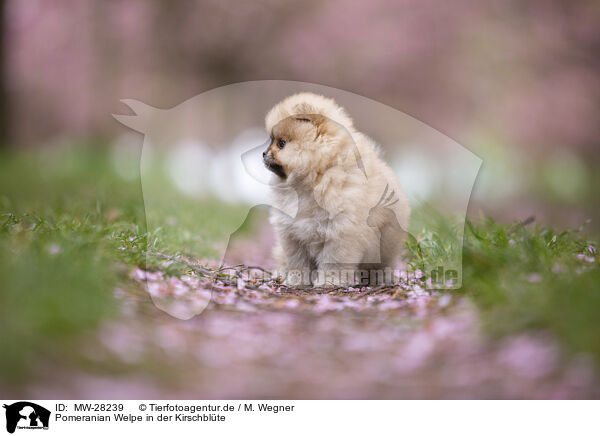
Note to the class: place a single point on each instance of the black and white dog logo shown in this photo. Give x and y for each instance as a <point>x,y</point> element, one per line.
<point>26,415</point>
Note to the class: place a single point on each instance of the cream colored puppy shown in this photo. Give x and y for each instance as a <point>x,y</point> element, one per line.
<point>352,215</point>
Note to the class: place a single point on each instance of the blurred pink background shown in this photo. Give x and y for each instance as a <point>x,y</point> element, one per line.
<point>515,82</point>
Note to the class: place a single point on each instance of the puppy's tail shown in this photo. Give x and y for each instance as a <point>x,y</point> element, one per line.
<point>371,143</point>
<point>377,149</point>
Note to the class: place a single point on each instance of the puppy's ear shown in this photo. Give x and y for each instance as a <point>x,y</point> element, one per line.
<point>318,121</point>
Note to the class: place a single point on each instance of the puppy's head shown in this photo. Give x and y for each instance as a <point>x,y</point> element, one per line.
<point>308,133</point>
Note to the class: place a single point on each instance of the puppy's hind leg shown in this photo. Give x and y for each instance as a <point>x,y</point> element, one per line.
<point>337,263</point>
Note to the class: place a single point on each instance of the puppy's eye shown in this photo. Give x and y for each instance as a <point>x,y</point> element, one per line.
<point>281,143</point>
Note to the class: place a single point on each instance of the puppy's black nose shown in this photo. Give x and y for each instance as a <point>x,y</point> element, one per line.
<point>264,154</point>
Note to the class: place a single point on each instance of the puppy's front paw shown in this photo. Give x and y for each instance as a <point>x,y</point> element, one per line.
<point>293,278</point>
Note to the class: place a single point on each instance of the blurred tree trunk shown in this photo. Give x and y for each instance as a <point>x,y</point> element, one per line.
<point>4,105</point>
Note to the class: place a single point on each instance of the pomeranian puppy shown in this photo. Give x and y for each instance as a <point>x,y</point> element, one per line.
<point>352,215</point>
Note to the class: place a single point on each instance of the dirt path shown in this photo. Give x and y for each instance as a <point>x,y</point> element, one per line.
<point>253,341</point>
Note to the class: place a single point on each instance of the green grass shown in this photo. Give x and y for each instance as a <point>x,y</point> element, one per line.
<point>68,224</point>
<point>528,277</point>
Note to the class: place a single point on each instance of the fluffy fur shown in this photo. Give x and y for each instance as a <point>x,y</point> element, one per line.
<point>352,214</point>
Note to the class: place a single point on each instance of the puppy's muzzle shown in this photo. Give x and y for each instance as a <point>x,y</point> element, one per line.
<point>272,165</point>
